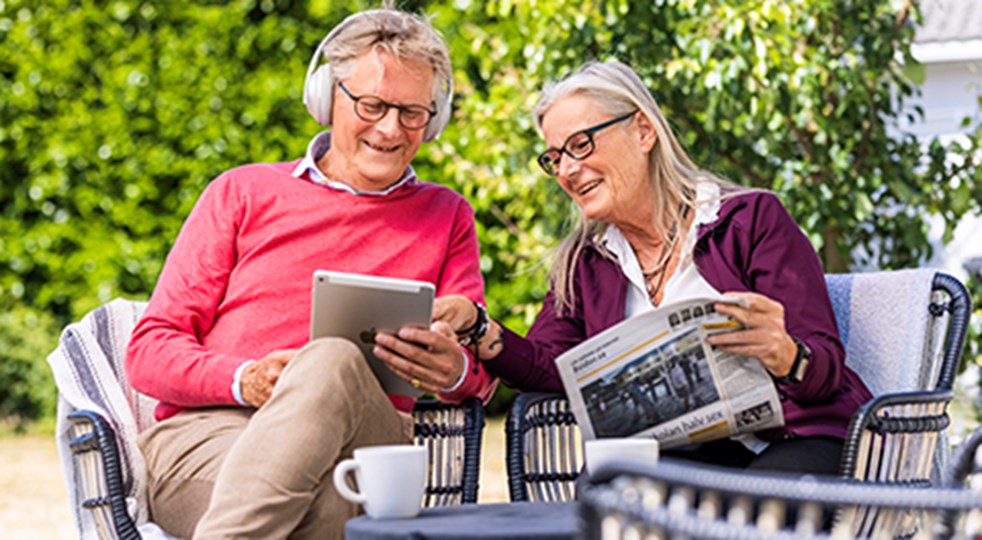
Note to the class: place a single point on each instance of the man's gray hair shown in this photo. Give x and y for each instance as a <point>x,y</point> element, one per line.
<point>404,36</point>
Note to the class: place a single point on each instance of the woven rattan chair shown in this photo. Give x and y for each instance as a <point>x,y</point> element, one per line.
<point>676,499</point>
<point>97,440</point>
<point>899,436</point>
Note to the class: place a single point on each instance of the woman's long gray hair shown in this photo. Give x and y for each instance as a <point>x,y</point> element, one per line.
<point>618,90</point>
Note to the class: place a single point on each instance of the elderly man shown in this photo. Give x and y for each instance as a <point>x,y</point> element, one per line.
<point>252,418</point>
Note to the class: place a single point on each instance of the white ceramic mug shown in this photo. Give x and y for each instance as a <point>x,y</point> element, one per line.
<point>391,479</point>
<point>599,452</point>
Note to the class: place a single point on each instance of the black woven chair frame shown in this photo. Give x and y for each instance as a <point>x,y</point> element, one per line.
<point>452,434</point>
<point>536,410</point>
<point>645,499</point>
<point>883,416</point>
<point>94,439</point>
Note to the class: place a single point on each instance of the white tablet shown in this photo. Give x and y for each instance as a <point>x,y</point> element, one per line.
<point>356,306</point>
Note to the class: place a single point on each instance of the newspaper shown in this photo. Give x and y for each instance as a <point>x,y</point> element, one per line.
<point>654,375</point>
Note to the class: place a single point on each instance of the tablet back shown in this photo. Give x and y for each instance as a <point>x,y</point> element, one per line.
<point>356,306</point>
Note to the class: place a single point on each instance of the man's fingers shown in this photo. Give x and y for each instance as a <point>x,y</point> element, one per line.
<point>283,357</point>
<point>407,369</point>
<point>420,383</point>
<point>439,338</point>
<point>402,346</point>
<point>436,361</point>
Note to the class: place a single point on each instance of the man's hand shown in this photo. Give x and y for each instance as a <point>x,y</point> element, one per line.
<point>763,336</point>
<point>430,359</point>
<point>259,377</point>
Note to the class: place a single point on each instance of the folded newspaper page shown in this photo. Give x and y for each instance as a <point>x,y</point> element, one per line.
<point>654,375</point>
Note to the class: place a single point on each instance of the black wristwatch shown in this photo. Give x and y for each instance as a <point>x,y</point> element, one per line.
<point>473,333</point>
<point>800,365</point>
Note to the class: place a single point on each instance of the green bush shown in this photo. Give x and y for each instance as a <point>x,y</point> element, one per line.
<point>26,387</point>
<point>115,114</point>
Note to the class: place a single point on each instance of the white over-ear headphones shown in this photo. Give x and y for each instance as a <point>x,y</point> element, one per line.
<point>318,89</point>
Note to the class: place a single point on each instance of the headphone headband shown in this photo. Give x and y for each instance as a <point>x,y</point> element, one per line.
<point>318,89</point>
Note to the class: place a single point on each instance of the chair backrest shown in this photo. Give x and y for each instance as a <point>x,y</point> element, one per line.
<point>88,368</point>
<point>894,326</point>
<point>903,331</point>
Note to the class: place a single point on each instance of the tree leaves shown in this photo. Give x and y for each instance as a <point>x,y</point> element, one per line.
<point>113,118</point>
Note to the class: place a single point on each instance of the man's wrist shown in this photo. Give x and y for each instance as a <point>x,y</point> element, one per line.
<point>237,383</point>
<point>463,375</point>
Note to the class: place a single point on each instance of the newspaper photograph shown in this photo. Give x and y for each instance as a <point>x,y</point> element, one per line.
<point>654,375</point>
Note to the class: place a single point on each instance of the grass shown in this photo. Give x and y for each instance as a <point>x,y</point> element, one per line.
<point>33,500</point>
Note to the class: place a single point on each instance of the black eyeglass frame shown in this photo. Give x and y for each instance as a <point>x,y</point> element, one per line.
<point>408,109</point>
<point>551,166</point>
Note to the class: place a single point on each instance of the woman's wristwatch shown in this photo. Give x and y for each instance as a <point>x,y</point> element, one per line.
<point>800,365</point>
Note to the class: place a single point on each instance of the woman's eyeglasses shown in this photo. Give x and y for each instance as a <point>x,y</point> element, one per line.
<point>578,146</point>
<point>373,109</point>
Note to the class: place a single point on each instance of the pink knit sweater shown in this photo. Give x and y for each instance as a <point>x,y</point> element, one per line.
<point>237,283</point>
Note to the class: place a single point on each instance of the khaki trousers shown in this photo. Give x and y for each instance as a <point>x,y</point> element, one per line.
<point>239,473</point>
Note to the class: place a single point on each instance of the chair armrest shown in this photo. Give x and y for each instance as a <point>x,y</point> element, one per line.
<point>960,307</point>
<point>535,410</point>
<point>453,435</point>
<point>924,412</point>
<point>964,463</point>
<point>93,445</point>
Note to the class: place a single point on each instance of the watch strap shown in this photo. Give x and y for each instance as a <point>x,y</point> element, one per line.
<point>802,356</point>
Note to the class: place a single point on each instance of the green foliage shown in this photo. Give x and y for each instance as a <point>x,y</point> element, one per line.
<point>115,115</point>
<point>27,389</point>
<point>113,118</point>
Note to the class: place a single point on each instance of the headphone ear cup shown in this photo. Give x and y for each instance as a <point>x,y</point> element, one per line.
<point>320,95</point>
<point>442,116</point>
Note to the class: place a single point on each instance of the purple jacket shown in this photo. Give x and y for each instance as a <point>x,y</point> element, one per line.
<point>754,245</point>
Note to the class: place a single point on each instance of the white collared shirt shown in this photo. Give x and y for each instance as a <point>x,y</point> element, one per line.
<point>684,283</point>
<point>316,150</point>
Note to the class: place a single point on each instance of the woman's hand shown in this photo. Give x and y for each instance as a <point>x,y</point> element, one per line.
<point>456,310</point>
<point>429,358</point>
<point>763,337</point>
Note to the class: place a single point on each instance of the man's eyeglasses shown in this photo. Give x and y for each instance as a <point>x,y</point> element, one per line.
<point>373,109</point>
<point>578,146</point>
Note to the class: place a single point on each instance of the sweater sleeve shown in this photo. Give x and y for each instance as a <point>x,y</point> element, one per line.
<point>166,358</point>
<point>462,275</point>
<point>783,266</point>
<point>529,363</point>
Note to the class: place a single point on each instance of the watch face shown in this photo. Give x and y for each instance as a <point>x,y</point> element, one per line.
<point>800,361</point>
<point>799,371</point>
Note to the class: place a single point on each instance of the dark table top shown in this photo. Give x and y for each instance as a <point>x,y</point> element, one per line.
<point>512,521</point>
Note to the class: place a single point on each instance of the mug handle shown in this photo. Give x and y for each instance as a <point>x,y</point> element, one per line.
<point>341,471</point>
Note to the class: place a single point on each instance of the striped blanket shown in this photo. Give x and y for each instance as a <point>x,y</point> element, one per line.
<point>89,372</point>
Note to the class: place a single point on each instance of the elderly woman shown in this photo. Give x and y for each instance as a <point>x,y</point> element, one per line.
<point>654,228</point>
